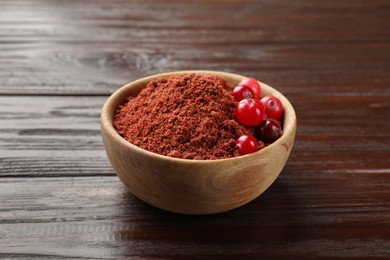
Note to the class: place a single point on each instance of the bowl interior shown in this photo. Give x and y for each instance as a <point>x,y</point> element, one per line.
<point>133,88</point>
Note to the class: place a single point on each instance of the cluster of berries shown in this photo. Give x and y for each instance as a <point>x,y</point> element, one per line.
<point>262,113</point>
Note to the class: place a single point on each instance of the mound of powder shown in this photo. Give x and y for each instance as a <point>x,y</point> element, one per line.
<point>188,116</point>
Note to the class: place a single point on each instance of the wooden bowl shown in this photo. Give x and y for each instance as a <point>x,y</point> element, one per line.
<point>194,186</point>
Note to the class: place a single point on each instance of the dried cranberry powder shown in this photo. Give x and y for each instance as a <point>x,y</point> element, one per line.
<point>188,116</point>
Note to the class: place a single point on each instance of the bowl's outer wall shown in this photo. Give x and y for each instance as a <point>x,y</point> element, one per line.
<point>191,186</point>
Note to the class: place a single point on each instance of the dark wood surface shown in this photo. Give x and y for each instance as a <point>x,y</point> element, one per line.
<point>60,60</point>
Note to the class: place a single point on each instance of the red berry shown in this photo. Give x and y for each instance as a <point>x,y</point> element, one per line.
<point>246,144</point>
<point>250,112</point>
<point>268,131</point>
<point>253,84</point>
<point>273,107</point>
<point>241,92</point>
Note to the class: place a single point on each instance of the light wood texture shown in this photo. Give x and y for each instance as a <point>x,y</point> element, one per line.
<point>60,60</point>
<point>195,186</point>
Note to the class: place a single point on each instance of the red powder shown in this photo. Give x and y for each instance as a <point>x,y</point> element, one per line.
<point>189,116</point>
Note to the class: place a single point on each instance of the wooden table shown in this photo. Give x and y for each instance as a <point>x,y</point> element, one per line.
<point>60,60</point>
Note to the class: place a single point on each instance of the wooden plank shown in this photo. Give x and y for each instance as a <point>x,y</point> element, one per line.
<point>51,136</point>
<point>299,69</point>
<point>60,136</point>
<point>95,217</point>
<point>61,48</point>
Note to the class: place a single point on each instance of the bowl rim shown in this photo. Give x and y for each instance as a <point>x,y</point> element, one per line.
<point>109,108</point>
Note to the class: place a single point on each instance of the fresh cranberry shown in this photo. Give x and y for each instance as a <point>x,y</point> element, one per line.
<point>241,92</point>
<point>268,131</point>
<point>246,144</point>
<point>273,107</point>
<point>250,112</point>
<point>253,84</point>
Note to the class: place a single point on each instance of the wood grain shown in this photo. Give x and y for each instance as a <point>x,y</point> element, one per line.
<point>111,223</point>
<point>51,136</point>
<point>60,60</point>
<point>83,47</point>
